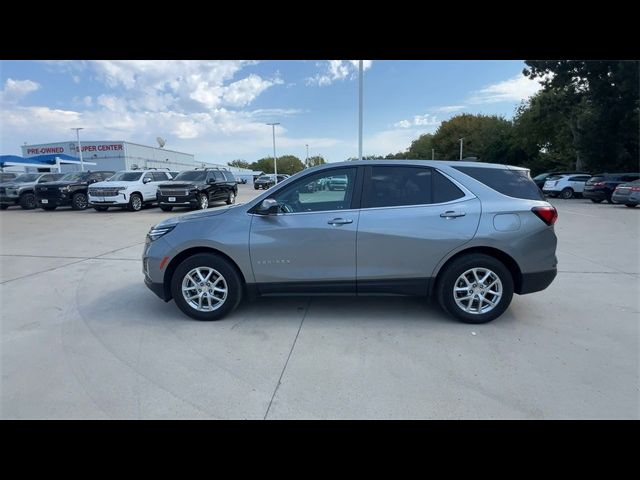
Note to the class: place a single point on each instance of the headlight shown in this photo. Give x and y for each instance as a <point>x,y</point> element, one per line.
<point>65,189</point>
<point>159,230</point>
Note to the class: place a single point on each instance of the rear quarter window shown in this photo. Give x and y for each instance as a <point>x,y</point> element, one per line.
<point>513,183</point>
<point>444,190</point>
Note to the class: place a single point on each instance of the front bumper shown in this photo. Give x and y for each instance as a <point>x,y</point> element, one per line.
<point>9,199</point>
<point>180,201</point>
<point>118,200</point>
<point>62,200</point>
<point>157,288</point>
<point>536,281</point>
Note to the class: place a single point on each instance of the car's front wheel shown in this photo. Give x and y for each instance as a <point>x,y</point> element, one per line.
<point>206,287</point>
<point>28,201</point>
<point>79,201</point>
<point>475,288</point>
<point>631,205</point>
<point>135,203</point>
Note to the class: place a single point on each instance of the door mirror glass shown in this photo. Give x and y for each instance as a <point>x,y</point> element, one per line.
<point>146,179</point>
<point>268,206</point>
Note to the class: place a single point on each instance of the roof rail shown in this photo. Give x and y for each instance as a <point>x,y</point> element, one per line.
<point>210,168</point>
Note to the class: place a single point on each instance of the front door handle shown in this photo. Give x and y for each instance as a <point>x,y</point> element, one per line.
<point>340,221</point>
<point>452,214</point>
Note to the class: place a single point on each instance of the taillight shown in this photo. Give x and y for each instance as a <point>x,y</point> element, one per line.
<point>599,184</point>
<point>548,215</point>
<point>635,189</point>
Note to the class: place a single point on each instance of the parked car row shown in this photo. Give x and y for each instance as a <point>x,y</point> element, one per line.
<point>612,187</point>
<point>127,189</point>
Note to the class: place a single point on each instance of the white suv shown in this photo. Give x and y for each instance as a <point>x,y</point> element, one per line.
<point>565,186</point>
<point>129,189</point>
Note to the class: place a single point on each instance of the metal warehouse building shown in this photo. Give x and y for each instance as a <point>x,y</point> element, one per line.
<point>110,155</point>
<point>121,155</point>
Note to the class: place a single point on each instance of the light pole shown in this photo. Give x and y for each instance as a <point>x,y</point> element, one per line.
<point>307,160</point>
<point>275,162</point>
<point>433,154</point>
<point>461,142</point>
<point>77,129</point>
<point>360,71</point>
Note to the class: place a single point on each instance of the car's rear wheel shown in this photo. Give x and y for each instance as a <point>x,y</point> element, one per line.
<point>165,208</point>
<point>79,201</point>
<point>206,287</point>
<point>100,208</point>
<point>135,203</point>
<point>231,199</point>
<point>596,200</point>
<point>631,205</point>
<point>28,201</point>
<point>566,193</point>
<point>475,288</point>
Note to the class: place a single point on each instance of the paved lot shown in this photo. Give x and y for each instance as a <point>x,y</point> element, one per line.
<point>82,337</point>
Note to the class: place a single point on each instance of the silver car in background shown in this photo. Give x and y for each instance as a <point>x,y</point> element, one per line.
<point>470,234</point>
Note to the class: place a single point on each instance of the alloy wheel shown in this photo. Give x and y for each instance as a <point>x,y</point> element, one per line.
<point>477,291</point>
<point>204,289</point>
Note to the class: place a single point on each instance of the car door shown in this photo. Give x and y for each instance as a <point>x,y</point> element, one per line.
<point>216,189</point>
<point>410,218</point>
<point>147,187</point>
<point>310,245</point>
<point>577,182</point>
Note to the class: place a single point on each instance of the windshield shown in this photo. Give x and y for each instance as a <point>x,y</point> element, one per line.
<point>125,177</point>
<point>542,176</point>
<point>27,177</point>
<point>192,175</point>
<point>7,176</point>
<point>264,177</point>
<point>74,176</point>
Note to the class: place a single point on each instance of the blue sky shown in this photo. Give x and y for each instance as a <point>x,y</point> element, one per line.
<point>218,109</point>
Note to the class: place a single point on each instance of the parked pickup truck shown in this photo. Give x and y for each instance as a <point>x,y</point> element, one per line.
<point>21,190</point>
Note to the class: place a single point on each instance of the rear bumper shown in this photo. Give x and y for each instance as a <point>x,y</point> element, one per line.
<point>536,281</point>
<point>625,198</point>
<point>595,194</point>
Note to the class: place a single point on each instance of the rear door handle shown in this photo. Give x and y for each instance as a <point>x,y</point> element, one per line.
<point>340,221</point>
<point>452,214</point>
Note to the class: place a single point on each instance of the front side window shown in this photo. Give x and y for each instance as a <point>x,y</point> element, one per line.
<point>324,191</point>
<point>229,176</point>
<point>397,186</point>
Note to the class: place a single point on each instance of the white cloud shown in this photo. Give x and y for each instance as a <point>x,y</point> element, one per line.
<point>15,90</point>
<point>514,89</point>
<point>243,92</point>
<point>418,121</point>
<point>392,141</point>
<point>334,70</point>
<point>449,108</point>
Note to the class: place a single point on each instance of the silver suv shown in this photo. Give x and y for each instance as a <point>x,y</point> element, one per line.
<point>468,233</point>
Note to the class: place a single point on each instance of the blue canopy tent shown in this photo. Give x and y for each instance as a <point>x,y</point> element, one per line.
<point>52,160</point>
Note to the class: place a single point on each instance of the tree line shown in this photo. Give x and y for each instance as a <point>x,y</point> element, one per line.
<point>287,164</point>
<point>585,117</point>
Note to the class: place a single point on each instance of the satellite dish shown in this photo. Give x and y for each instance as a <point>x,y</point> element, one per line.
<point>161,141</point>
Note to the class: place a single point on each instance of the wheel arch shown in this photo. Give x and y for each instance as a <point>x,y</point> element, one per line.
<point>189,252</point>
<point>496,253</point>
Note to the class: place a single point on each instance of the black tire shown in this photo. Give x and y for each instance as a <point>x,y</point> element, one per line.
<point>135,203</point>
<point>631,205</point>
<point>226,269</point>
<point>596,201</point>
<point>165,208</point>
<point>28,201</point>
<point>4,207</point>
<point>609,199</point>
<point>566,193</point>
<point>255,187</point>
<point>203,202</point>
<point>49,208</point>
<point>100,208</point>
<point>448,277</point>
<point>79,201</point>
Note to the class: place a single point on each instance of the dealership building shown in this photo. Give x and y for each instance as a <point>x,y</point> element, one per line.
<point>110,155</point>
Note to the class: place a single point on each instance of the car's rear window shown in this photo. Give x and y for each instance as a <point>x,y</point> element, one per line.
<point>513,183</point>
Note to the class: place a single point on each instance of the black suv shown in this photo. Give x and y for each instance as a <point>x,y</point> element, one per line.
<point>268,181</point>
<point>601,186</point>
<point>70,190</point>
<point>196,189</point>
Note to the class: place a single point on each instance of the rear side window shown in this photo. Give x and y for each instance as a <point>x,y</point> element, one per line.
<point>513,183</point>
<point>397,186</point>
<point>444,190</point>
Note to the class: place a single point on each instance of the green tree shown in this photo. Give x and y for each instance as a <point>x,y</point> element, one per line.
<point>239,163</point>
<point>600,104</point>
<point>420,148</point>
<point>287,164</point>
<point>486,137</point>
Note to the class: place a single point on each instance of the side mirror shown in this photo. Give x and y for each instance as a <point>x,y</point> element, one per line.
<point>268,207</point>
<point>146,180</point>
<point>211,180</point>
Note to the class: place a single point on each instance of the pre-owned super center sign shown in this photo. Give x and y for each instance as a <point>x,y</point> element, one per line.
<point>72,149</point>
